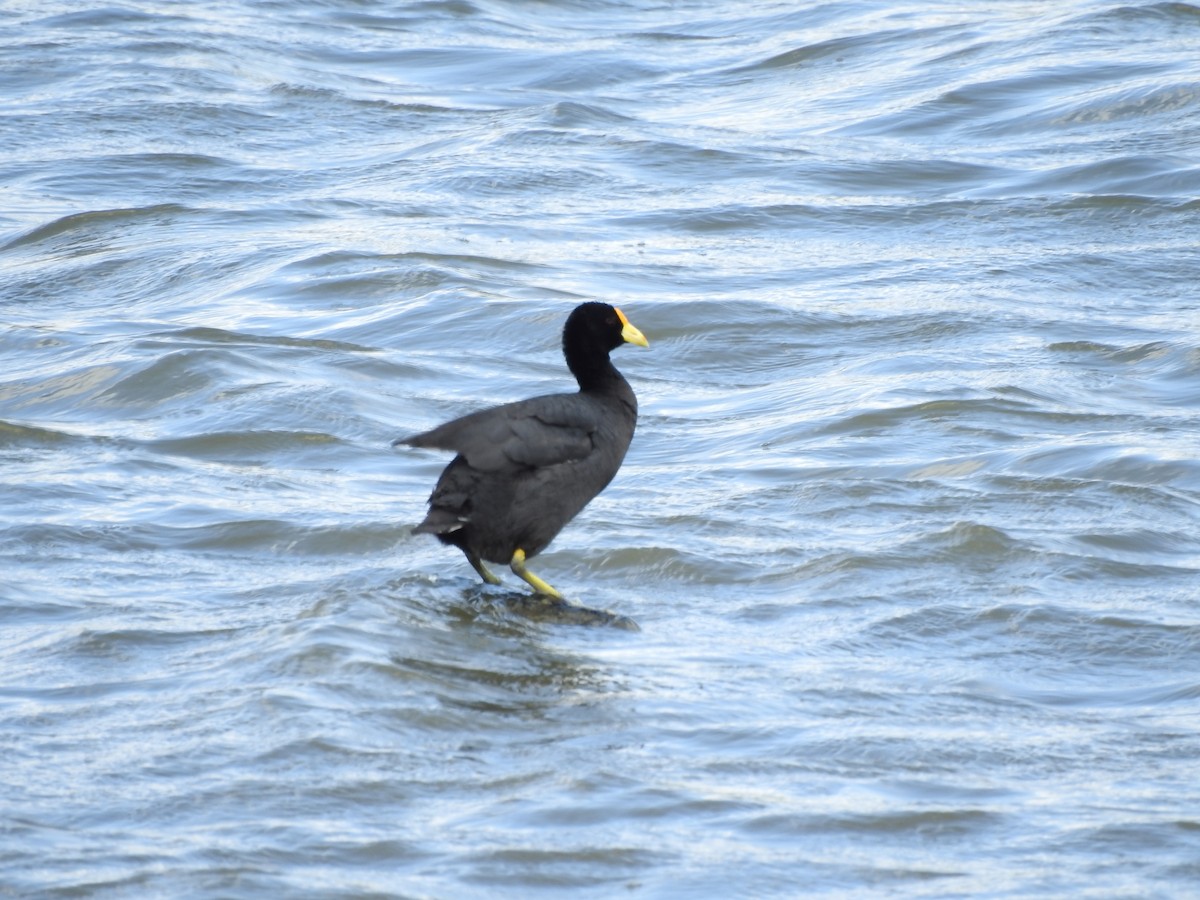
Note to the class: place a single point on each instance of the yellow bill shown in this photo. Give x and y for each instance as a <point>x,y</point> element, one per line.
<point>630,334</point>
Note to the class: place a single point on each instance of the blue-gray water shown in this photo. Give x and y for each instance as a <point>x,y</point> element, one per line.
<point>911,523</point>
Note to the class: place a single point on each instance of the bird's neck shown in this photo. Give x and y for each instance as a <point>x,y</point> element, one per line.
<point>600,378</point>
<point>595,373</point>
<point>606,380</point>
<point>589,363</point>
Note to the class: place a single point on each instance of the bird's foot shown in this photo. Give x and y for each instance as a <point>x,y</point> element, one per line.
<point>517,564</point>
<point>484,572</point>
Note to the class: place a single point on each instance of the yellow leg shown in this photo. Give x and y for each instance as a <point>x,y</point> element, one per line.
<point>478,566</point>
<point>518,566</point>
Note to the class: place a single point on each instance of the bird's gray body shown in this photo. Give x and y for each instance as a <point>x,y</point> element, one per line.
<point>524,470</point>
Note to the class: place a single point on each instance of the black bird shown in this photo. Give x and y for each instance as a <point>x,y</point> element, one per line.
<point>525,469</point>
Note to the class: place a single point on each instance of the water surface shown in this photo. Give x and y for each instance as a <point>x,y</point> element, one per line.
<point>909,524</point>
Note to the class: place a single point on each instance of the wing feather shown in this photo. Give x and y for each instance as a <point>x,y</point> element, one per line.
<point>542,431</point>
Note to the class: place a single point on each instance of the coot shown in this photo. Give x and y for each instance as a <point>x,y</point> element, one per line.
<point>524,470</point>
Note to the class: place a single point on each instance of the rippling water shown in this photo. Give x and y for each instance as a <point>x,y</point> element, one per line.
<point>911,523</point>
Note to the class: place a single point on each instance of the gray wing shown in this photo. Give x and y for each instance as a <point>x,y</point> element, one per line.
<point>542,431</point>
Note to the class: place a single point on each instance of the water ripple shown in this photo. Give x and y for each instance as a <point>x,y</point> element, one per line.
<point>909,523</point>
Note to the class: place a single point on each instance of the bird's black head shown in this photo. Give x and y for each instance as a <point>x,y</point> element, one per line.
<point>599,326</point>
<point>593,330</point>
